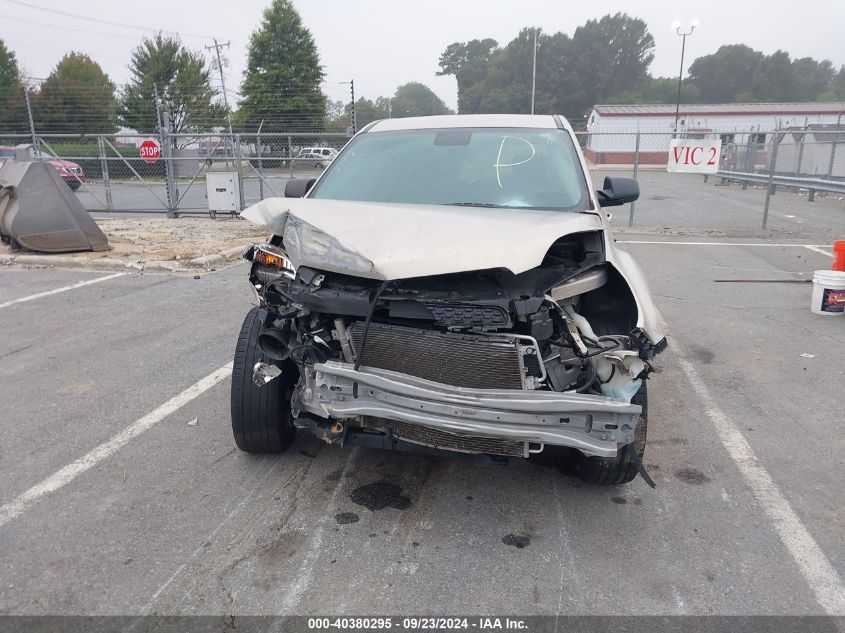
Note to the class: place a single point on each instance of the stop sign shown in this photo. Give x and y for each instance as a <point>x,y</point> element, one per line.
<point>150,151</point>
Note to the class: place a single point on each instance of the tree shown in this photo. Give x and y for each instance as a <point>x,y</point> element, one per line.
<point>416,99</point>
<point>607,60</point>
<point>738,73</point>
<point>337,119</point>
<point>467,61</point>
<point>366,111</point>
<point>77,97</point>
<point>282,80</point>
<point>772,80</point>
<point>725,75</point>
<point>658,90</point>
<point>606,57</point>
<point>603,58</point>
<point>12,103</point>
<point>161,65</point>
<point>836,89</point>
<point>810,78</point>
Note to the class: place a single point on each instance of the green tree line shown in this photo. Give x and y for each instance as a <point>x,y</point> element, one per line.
<point>607,60</point>
<point>280,91</point>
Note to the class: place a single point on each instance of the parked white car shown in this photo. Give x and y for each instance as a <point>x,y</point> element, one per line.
<point>450,283</point>
<point>323,156</point>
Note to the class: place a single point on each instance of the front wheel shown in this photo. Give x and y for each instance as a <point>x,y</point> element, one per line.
<point>260,415</point>
<point>619,469</point>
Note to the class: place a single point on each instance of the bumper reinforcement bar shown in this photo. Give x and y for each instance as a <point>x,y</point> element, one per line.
<point>593,424</point>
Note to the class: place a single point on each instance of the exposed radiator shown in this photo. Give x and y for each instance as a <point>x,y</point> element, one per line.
<point>463,360</point>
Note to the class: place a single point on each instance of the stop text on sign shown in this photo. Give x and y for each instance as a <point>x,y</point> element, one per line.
<point>700,156</point>
<point>150,151</point>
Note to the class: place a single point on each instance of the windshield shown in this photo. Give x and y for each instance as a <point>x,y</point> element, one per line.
<point>496,167</point>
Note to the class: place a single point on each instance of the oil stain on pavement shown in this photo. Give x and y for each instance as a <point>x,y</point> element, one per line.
<point>379,495</point>
<point>516,540</point>
<point>692,476</point>
<point>345,518</point>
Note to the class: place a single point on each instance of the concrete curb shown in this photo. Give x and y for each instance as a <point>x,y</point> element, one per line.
<point>208,262</point>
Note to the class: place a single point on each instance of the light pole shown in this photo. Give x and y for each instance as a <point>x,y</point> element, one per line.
<point>677,26</point>
<point>534,72</point>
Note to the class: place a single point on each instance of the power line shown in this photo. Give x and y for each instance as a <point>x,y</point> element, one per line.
<point>101,21</point>
<point>61,27</point>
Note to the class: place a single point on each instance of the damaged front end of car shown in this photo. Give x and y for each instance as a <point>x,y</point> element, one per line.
<point>477,361</point>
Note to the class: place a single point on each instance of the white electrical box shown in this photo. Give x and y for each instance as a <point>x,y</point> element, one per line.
<point>224,192</point>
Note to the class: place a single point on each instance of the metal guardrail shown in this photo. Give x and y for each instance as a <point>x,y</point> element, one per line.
<point>811,184</point>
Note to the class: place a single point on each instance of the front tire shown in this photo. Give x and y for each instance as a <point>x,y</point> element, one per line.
<point>261,421</point>
<point>620,469</point>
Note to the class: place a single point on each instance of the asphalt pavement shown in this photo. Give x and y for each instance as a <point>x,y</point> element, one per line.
<point>123,492</point>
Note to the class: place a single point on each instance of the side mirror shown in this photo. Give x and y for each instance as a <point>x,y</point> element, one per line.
<point>298,187</point>
<point>618,190</point>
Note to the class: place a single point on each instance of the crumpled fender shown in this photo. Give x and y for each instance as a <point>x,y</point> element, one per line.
<point>647,317</point>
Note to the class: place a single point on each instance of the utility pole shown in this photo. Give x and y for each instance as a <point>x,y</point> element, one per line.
<point>534,72</point>
<point>169,172</point>
<point>158,109</point>
<point>217,48</point>
<point>354,113</point>
<point>29,113</point>
<point>832,147</point>
<point>260,149</point>
<point>354,122</point>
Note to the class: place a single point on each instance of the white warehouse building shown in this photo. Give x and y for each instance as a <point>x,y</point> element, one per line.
<point>612,129</point>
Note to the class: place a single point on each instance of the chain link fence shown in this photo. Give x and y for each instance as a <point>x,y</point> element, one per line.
<point>792,180</point>
<point>789,181</point>
<point>117,173</point>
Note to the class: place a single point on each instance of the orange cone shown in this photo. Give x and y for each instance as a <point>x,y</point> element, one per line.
<point>839,255</point>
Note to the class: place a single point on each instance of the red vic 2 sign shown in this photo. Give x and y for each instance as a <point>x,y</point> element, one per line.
<point>150,151</point>
<point>700,156</point>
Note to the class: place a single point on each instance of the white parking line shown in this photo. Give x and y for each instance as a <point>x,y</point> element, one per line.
<point>820,574</point>
<point>810,246</point>
<point>816,249</point>
<point>70,472</point>
<point>72,286</point>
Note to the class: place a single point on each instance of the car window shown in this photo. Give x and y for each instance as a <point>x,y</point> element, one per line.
<point>7,153</point>
<point>502,167</point>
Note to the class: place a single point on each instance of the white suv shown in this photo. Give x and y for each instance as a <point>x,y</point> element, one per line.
<point>450,283</point>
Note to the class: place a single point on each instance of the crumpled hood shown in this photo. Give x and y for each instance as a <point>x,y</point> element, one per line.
<point>400,241</point>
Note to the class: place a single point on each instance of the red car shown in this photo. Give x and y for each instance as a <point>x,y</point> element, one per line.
<point>69,171</point>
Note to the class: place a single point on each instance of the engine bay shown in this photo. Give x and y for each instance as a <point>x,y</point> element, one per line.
<point>568,325</point>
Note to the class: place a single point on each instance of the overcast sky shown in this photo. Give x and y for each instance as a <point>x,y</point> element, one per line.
<point>385,43</point>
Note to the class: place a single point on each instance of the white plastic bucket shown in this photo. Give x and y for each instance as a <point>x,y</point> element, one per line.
<point>828,293</point>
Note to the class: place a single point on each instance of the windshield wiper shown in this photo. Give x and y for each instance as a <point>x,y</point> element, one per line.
<point>489,205</point>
